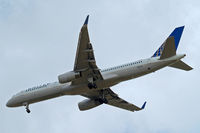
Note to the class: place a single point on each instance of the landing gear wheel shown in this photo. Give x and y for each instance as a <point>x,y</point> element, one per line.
<point>28,110</point>
<point>92,85</point>
<point>103,101</point>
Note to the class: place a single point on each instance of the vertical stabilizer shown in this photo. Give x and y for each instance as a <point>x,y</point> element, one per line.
<point>176,34</point>
<point>169,49</point>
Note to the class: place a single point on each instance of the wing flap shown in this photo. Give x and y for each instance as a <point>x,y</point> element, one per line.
<point>111,98</point>
<point>116,101</point>
<point>85,60</point>
<point>83,44</point>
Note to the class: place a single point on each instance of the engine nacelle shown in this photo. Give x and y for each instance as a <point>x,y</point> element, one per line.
<point>88,104</point>
<point>68,76</point>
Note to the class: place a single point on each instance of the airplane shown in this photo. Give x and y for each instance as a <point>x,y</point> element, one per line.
<point>87,80</point>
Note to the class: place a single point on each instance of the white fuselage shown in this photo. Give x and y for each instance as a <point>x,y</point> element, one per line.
<point>111,76</point>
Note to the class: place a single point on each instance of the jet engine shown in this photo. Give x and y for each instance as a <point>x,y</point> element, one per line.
<point>88,104</point>
<point>68,76</point>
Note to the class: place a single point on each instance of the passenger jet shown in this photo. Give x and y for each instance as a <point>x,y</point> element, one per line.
<point>87,80</point>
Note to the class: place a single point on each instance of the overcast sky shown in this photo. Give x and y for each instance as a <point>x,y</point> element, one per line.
<point>38,40</point>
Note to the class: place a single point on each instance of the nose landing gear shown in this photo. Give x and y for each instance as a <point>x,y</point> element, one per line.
<point>28,110</point>
<point>27,107</point>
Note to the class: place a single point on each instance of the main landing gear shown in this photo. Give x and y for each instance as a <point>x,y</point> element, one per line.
<point>92,85</point>
<point>27,107</point>
<point>103,100</point>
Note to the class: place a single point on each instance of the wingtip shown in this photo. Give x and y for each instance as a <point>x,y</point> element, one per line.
<point>143,106</point>
<point>180,28</point>
<point>86,20</point>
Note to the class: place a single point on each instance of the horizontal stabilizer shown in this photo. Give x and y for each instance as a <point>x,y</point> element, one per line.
<point>181,65</point>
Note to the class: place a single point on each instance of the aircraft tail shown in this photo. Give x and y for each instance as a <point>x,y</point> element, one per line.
<point>169,47</point>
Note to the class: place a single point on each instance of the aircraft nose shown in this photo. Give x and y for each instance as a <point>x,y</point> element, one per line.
<point>9,103</point>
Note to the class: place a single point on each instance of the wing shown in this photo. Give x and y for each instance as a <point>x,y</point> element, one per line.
<point>109,97</point>
<point>85,60</point>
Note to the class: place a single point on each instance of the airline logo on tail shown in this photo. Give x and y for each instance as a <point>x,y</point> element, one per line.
<point>176,34</point>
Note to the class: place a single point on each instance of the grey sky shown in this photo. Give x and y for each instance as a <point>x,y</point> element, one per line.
<point>38,40</point>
